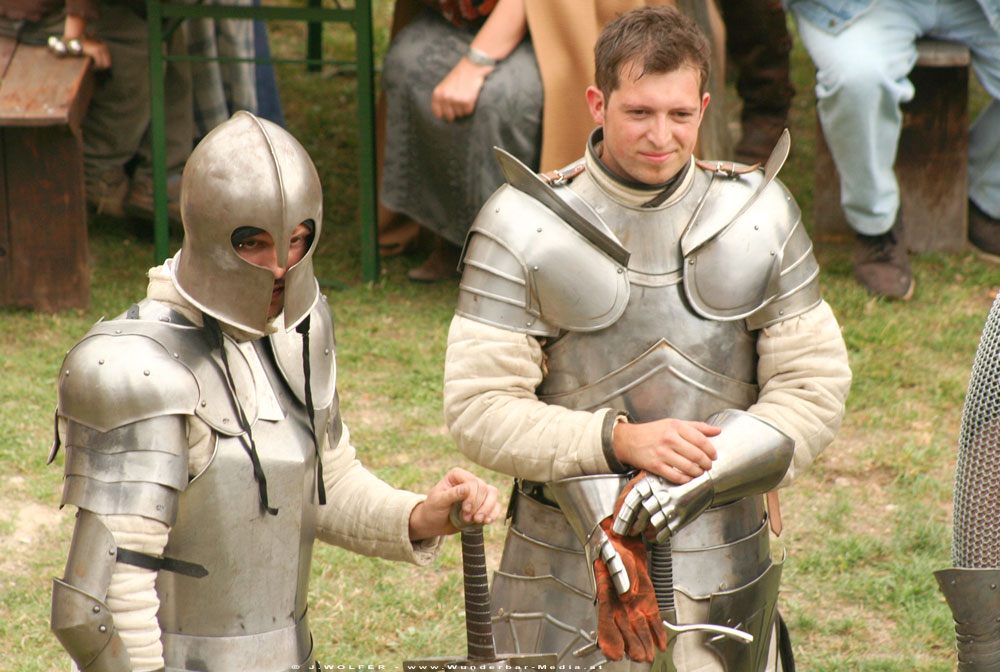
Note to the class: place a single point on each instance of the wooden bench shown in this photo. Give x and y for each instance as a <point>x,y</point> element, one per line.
<point>43,216</point>
<point>931,161</point>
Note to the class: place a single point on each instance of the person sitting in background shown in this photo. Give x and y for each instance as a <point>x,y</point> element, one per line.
<point>458,79</point>
<point>863,51</point>
<point>116,144</point>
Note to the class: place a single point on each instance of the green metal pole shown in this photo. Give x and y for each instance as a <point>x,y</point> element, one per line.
<point>157,129</point>
<point>366,130</point>
<point>314,40</point>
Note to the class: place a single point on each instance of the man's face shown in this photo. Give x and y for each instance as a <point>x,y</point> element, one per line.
<point>650,122</point>
<point>259,250</point>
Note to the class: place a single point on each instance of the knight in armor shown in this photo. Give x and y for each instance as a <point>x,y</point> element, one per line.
<point>205,450</point>
<point>640,341</point>
<point>970,586</point>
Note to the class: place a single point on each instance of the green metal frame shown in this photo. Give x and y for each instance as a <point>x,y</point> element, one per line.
<point>360,18</point>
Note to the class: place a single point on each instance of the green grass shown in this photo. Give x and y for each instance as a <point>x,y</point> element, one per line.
<point>865,527</point>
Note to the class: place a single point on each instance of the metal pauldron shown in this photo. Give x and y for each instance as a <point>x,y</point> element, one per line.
<point>755,219</point>
<point>527,270</point>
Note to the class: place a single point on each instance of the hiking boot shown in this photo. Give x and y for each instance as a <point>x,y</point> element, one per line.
<point>882,264</point>
<point>440,265</point>
<point>106,192</point>
<point>984,232</point>
<point>140,198</point>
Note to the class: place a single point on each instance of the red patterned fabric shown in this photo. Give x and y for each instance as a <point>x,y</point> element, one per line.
<point>463,13</point>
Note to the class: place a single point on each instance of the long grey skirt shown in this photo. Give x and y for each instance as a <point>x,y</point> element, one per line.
<point>440,173</point>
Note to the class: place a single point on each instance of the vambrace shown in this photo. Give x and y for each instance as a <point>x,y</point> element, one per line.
<point>975,604</point>
<point>753,456</point>
<point>80,618</point>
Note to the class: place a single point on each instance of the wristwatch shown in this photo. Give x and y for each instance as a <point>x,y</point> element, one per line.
<point>478,57</point>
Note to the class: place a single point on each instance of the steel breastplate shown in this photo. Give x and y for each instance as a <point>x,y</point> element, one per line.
<point>659,359</point>
<point>249,612</point>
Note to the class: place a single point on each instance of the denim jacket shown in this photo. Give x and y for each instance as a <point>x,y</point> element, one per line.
<point>834,15</point>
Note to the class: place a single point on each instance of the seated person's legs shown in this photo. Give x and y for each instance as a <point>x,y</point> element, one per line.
<point>861,80</point>
<point>968,25</point>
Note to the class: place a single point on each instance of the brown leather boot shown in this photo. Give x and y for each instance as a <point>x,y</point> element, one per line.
<point>984,233</point>
<point>440,265</point>
<point>882,263</point>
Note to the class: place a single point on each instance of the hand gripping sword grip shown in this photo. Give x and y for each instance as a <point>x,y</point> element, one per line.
<point>479,628</point>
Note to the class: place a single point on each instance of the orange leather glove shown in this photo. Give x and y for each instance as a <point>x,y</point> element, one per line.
<point>630,623</point>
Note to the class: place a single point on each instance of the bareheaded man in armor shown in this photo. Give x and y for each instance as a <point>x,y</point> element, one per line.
<point>640,342</point>
<point>204,444</point>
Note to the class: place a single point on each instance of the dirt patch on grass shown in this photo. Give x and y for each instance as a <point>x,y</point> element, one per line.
<point>24,527</point>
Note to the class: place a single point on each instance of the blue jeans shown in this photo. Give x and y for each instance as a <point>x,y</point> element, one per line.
<point>861,80</point>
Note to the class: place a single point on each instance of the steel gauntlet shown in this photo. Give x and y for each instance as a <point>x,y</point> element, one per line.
<point>753,456</point>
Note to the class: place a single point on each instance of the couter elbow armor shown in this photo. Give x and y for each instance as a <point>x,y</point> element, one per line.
<point>80,618</point>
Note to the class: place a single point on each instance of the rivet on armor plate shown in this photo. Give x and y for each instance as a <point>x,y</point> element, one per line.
<point>102,628</point>
<point>772,253</point>
<point>528,323</point>
<point>539,229</point>
<point>500,611</point>
<point>112,551</point>
<point>993,586</point>
<point>620,271</point>
<point>203,403</point>
<point>118,331</point>
<point>498,210</point>
<point>225,421</point>
<point>326,351</point>
<point>146,372</point>
<point>723,586</point>
<point>67,372</point>
<point>781,312</point>
<point>100,362</point>
<point>97,609</point>
<point>534,268</point>
<point>756,227</point>
<point>164,318</point>
<point>691,261</point>
<point>176,355</point>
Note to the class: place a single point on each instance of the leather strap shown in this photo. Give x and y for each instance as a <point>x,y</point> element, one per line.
<point>774,512</point>
<point>147,561</point>
<point>727,168</point>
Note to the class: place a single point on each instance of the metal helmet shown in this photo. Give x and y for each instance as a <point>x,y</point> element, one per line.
<point>247,172</point>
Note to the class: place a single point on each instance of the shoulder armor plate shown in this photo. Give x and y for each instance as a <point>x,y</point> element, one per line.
<point>287,346</point>
<point>746,253</point>
<point>126,370</point>
<point>528,270</point>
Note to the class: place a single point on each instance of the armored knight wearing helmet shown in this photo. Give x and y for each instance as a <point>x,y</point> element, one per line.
<point>641,310</point>
<point>204,445</point>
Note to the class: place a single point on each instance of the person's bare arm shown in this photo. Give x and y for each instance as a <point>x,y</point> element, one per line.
<point>75,28</point>
<point>458,92</point>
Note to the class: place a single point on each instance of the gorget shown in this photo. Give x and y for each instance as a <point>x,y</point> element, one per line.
<point>659,359</point>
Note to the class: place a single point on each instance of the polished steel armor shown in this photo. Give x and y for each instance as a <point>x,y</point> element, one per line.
<point>126,391</point>
<point>673,334</point>
<point>247,172</point>
<point>972,586</point>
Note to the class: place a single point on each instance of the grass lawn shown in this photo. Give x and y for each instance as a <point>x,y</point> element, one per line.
<point>865,527</point>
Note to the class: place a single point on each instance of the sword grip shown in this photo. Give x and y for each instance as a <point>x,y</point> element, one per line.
<point>477,596</point>
<point>661,574</point>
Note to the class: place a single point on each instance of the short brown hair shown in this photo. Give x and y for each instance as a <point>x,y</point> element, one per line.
<point>657,39</point>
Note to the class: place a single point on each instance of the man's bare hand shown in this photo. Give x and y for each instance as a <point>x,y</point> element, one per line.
<point>458,92</point>
<point>677,450</point>
<point>479,505</point>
